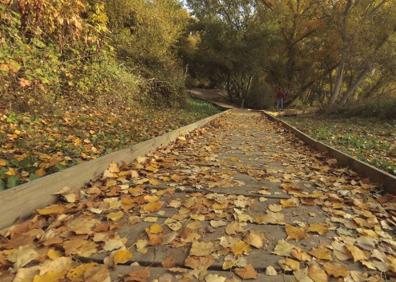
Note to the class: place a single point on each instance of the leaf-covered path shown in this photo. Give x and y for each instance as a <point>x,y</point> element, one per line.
<point>238,199</point>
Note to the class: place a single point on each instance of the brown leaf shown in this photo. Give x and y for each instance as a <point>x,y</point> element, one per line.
<point>168,262</point>
<point>139,275</point>
<point>248,272</point>
<point>203,262</point>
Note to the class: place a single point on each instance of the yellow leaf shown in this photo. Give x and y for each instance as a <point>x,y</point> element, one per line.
<point>292,202</point>
<point>53,209</point>
<point>317,274</point>
<point>141,246</point>
<point>321,252</point>
<point>254,239</point>
<point>53,254</point>
<point>49,277</point>
<point>336,270</point>
<point>356,253</point>
<point>318,228</point>
<point>294,233</point>
<point>300,255</point>
<point>155,229</point>
<point>201,249</point>
<point>11,171</point>
<point>283,248</point>
<point>240,248</point>
<point>40,172</point>
<point>115,216</point>
<point>3,162</point>
<point>288,264</point>
<point>122,256</point>
<point>153,207</point>
<point>76,274</point>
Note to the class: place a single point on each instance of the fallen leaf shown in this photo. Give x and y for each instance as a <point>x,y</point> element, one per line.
<point>321,252</point>
<point>301,275</point>
<point>275,218</point>
<point>288,264</point>
<point>139,275</point>
<point>26,274</point>
<point>254,239</point>
<point>320,229</point>
<point>53,209</point>
<point>247,272</point>
<point>155,229</point>
<point>23,255</point>
<point>217,223</point>
<point>201,248</point>
<point>300,255</point>
<point>239,248</point>
<point>283,248</point>
<point>76,274</point>
<point>153,207</point>
<point>79,247</point>
<point>122,256</point>
<point>115,216</point>
<point>294,233</point>
<point>292,202</point>
<point>141,246</point>
<point>201,263</point>
<point>214,278</point>
<point>316,273</point>
<point>82,225</point>
<point>270,271</point>
<point>168,262</point>
<point>336,270</point>
<point>357,254</point>
<point>275,208</point>
<point>97,273</point>
<point>235,227</point>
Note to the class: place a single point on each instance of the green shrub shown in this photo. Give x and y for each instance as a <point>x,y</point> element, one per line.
<point>383,108</point>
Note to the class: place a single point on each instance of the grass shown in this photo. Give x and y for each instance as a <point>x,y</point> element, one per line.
<point>35,146</point>
<point>370,140</point>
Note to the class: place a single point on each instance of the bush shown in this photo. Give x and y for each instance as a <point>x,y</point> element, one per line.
<point>383,108</point>
<point>261,96</point>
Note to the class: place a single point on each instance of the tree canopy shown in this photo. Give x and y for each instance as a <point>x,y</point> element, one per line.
<point>331,52</point>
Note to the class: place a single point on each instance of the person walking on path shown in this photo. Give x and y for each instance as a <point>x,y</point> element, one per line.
<point>280,99</point>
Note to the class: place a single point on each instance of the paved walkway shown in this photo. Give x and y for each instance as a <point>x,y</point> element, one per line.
<point>239,199</point>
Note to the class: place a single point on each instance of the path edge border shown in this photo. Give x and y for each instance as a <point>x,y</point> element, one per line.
<point>384,178</point>
<point>21,201</point>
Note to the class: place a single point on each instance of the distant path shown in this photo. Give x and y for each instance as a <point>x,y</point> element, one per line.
<point>236,197</point>
<point>215,96</point>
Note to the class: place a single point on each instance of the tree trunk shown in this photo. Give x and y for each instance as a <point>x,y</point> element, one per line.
<point>338,85</point>
<point>354,86</point>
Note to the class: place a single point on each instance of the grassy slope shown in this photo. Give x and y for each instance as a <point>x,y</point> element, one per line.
<point>370,140</point>
<point>34,146</point>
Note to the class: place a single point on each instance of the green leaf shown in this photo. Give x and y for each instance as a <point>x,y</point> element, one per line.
<point>12,181</point>
<point>2,185</point>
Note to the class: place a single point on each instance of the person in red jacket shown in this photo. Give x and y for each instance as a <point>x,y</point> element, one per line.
<point>280,99</point>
